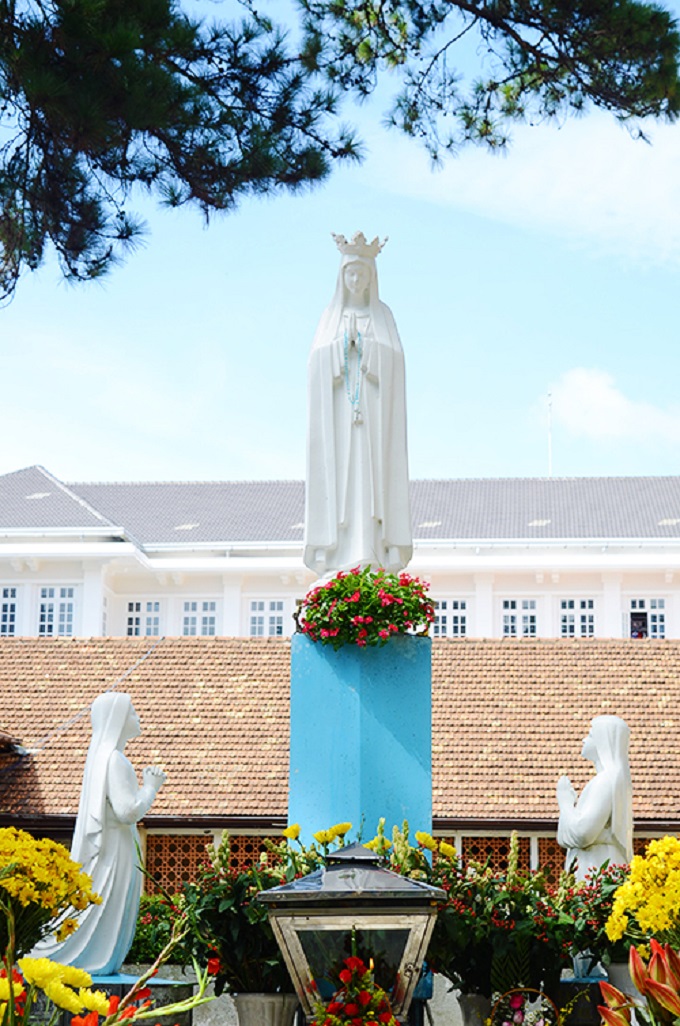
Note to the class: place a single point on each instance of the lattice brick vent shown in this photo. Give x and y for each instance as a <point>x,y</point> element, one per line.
<point>640,845</point>
<point>550,858</point>
<point>496,850</point>
<point>173,858</point>
<point>246,850</point>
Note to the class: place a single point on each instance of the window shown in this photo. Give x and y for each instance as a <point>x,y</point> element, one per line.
<point>648,618</point>
<point>266,618</point>
<point>8,611</point>
<point>450,618</point>
<point>199,618</point>
<point>56,612</point>
<point>577,618</point>
<point>519,618</point>
<point>143,618</point>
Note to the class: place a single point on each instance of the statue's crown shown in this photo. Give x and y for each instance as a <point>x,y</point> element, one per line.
<point>357,245</point>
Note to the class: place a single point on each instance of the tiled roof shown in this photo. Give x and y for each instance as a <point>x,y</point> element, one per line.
<point>508,719</point>
<point>33,499</point>
<point>532,508</point>
<point>187,511</point>
<point>236,512</point>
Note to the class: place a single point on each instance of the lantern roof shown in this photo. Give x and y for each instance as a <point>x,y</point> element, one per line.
<point>352,873</point>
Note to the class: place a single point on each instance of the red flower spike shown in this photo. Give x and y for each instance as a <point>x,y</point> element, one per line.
<point>145,992</point>
<point>614,1018</point>
<point>114,1001</point>
<point>638,971</point>
<point>91,1019</point>
<point>613,997</point>
<point>664,995</point>
<point>673,962</point>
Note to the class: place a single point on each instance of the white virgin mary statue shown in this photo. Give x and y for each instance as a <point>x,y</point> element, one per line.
<point>106,842</point>
<point>357,499</point>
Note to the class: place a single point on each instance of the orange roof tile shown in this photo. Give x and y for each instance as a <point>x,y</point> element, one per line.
<point>508,718</point>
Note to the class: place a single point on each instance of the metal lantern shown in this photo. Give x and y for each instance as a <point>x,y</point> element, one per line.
<point>353,906</point>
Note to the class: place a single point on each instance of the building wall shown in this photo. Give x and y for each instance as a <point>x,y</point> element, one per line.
<point>252,597</point>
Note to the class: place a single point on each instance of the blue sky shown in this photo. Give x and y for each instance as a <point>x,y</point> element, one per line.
<point>554,269</point>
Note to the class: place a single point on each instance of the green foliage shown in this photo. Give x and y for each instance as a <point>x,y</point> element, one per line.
<point>97,96</point>
<point>541,59</point>
<point>591,903</point>
<point>227,918</point>
<point>157,915</point>
<point>496,929</point>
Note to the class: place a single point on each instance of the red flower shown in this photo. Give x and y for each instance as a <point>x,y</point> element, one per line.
<point>91,1019</point>
<point>355,964</point>
<point>334,1007</point>
<point>385,1017</point>
<point>364,998</point>
<point>213,966</point>
<point>357,1022</point>
<point>351,1009</point>
<point>114,1001</point>
<point>345,975</point>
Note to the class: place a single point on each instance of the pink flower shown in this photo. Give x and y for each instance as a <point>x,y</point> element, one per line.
<point>383,634</point>
<point>516,1001</point>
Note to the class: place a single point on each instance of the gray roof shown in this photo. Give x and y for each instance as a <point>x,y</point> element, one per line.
<point>33,500</point>
<point>239,512</point>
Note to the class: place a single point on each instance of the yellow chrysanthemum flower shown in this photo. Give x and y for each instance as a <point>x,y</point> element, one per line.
<point>448,850</point>
<point>322,837</point>
<point>339,830</point>
<point>63,997</point>
<point>94,1001</point>
<point>292,832</point>
<point>426,840</point>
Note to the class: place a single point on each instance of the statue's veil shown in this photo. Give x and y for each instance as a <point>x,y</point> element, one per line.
<point>109,715</point>
<point>612,737</point>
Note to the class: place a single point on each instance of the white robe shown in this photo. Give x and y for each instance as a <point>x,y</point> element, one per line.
<point>357,497</point>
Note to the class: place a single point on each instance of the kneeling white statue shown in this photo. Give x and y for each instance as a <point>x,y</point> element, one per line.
<point>105,841</point>
<point>598,825</point>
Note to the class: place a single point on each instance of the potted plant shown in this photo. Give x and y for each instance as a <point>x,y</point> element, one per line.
<point>365,607</point>
<point>656,981</point>
<point>590,904</point>
<point>227,921</point>
<point>497,930</point>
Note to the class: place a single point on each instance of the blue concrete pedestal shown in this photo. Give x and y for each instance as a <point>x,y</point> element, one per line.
<point>360,735</point>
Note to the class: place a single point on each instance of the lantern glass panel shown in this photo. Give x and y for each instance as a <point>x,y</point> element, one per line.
<point>325,951</point>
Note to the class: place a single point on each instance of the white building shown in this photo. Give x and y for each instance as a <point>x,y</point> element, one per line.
<point>574,557</point>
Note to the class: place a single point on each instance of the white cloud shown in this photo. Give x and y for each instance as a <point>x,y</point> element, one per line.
<point>588,404</point>
<point>588,181</point>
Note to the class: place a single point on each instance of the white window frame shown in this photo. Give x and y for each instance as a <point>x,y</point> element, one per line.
<point>519,618</point>
<point>9,610</point>
<point>267,617</point>
<point>577,618</point>
<point>199,618</point>
<point>143,618</point>
<point>654,609</point>
<point>56,610</point>
<point>450,618</point>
